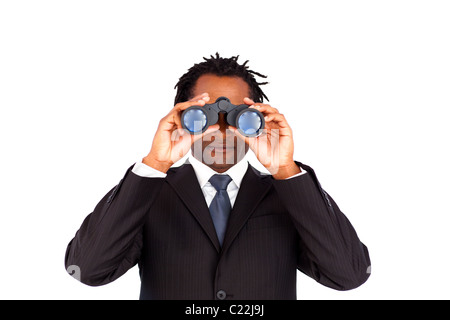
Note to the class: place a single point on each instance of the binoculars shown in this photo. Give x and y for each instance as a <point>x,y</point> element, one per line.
<point>249,122</point>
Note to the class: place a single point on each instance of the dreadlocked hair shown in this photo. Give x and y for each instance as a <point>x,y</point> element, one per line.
<point>220,67</point>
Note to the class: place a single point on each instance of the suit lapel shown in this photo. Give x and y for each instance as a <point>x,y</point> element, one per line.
<point>254,187</point>
<point>185,183</point>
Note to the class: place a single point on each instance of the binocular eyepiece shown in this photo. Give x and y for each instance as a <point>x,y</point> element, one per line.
<point>249,122</point>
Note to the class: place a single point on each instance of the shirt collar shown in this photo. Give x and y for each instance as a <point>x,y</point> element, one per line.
<point>204,173</point>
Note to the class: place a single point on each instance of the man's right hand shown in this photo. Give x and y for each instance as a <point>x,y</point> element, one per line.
<point>171,141</point>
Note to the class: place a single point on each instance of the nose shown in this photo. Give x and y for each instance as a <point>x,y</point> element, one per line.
<point>222,123</point>
<point>227,136</point>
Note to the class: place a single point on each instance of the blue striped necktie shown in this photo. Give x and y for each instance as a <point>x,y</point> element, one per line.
<point>220,206</point>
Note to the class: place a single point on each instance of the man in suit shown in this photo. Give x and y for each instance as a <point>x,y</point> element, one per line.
<point>196,239</point>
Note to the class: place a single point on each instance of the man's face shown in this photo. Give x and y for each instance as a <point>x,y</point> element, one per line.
<point>222,149</point>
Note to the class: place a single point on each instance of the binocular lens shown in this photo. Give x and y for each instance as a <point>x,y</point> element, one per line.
<point>249,123</point>
<point>195,120</point>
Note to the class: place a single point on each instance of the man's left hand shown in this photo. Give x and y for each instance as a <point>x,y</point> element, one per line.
<point>274,148</point>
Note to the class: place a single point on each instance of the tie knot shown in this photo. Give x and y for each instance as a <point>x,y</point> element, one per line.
<point>220,181</point>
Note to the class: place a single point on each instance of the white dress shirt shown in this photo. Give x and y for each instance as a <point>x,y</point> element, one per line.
<point>204,173</point>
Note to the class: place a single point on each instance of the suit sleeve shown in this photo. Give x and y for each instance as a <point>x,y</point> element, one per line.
<point>109,240</point>
<point>330,251</point>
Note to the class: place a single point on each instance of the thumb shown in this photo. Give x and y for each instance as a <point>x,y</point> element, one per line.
<point>247,140</point>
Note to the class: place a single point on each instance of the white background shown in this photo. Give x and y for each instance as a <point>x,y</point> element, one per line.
<point>364,84</point>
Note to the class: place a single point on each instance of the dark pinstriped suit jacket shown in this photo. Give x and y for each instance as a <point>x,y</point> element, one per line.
<point>164,225</point>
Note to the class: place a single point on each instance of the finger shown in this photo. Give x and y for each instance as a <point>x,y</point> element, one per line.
<point>173,119</point>
<point>277,118</point>
<point>204,96</point>
<point>181,132</point>
<point>176,119</point>
<point>239,135</point>
<point>184,105</point>
<point>264,108</point>
<point>248,101</point>
<point>170,122</point>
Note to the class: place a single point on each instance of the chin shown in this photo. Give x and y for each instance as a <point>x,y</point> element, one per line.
<point>223,163</point>
<point>220,167</point>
